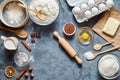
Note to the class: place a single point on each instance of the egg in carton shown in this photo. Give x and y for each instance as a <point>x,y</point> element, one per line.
<point>83,10</point>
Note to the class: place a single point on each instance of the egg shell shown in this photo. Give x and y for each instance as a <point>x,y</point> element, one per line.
<point>76,10</point>
<point>88,14</point>
<point>84,6</point>
<point>95,10</point>
<point>91,3</point>
<point>109,3</point>
<point>102,7</point>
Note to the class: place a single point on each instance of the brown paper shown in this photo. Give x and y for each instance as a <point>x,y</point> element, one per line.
<point>100,24</point>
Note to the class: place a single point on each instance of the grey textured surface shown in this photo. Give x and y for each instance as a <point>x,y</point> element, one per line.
<point>50,61</point>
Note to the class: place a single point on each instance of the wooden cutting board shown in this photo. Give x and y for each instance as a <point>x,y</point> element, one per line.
<point>100,24</point>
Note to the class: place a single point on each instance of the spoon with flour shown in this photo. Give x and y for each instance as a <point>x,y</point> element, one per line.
<point>40,14</point>
<point>99,46</point>
<point>19,32</point>
<point>90,56</point>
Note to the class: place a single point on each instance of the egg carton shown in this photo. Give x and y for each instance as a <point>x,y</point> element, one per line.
<point>83,10</point>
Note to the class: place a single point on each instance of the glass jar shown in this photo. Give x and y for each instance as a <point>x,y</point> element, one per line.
<point>22,59</point>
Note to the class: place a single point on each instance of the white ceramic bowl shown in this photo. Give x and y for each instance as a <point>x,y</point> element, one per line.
<point>35,19</point>
<point>5,12</point>
<point>70,33</point>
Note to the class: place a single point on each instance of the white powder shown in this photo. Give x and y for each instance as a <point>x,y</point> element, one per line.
<point>89,55</point>
<point>14,13</point>
<point>49,7</point>
<point>108,65</point>
<point>9,44</point>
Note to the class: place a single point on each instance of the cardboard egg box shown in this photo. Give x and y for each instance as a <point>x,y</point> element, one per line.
<point>83,10</point>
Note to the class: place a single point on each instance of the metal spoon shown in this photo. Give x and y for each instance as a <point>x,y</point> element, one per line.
<point>40,14</point>
<point>19,32</point>
<point>99,46</point>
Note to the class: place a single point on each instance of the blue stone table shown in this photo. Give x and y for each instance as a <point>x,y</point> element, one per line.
<point>49,60</point>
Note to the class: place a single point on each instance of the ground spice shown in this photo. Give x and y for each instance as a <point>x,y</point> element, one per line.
<point>69,28</point>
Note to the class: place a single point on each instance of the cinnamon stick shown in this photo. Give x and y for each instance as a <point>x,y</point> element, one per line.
<point>26,45</point>
<point>21,73</point>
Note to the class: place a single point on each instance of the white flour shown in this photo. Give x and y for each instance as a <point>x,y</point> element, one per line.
<point>14,13</point>
<point>89,55</point>
<point>50,7</point>
<point>108,65</point>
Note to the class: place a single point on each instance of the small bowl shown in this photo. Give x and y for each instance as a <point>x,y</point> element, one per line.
<point>67,27</point>
<point>116,74</point>
<point>87,30</point>
<point>36,20</point>
<point>22,58</point>
<point>19,18</point>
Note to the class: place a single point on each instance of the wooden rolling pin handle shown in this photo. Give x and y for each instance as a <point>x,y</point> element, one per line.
<point>56,34</point>
<point>78,60</point>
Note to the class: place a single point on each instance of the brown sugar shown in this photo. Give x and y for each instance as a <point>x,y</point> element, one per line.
<point>69,28</point>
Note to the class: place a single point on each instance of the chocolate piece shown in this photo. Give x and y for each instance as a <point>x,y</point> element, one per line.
<point>38,35</point>
<point>26,75</point>
<point>32,35</point>
<point>26,45</point>
<point>32,40</point>
<point>31,75</point>
<point>21,73</point>
<point>30,69</point>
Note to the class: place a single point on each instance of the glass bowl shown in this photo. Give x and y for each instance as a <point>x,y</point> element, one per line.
<point>37,6</point>
<point>21,58</point>
<point>113,65</point>
<point>88,35</point>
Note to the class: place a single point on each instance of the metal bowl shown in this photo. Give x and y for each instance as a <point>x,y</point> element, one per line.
<point>36,20</point>
<point>5,12</point>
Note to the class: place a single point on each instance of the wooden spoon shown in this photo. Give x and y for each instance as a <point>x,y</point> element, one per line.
<point>39,14</point>
<point>99,46</point>
<point>94,55</point>
<point>20,32</point>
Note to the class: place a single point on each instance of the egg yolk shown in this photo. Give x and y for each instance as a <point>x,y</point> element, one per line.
<point>85,36</point>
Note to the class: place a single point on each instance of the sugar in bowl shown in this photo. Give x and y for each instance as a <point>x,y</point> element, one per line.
<point>109,66</point>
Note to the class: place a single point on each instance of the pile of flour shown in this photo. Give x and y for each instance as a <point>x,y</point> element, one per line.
<point>49,7</point>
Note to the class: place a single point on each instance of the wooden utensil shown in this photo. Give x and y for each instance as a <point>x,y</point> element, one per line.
<point>39,14</point>
<point>98,27</point>
<point>67,47</point>
<point>110,49</point>
<point>19,32</point>
<point>99,46</point>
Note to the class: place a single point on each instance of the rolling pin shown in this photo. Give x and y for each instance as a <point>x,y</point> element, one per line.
<point>67,47</point>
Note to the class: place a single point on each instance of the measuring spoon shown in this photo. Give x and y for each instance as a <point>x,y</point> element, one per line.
<point>99,46</point>
<point>19,32</point>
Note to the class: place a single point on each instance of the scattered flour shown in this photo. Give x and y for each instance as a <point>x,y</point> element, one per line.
<point>89,55</point>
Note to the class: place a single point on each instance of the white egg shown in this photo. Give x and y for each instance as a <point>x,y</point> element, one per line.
<point>98,1</point>
<point>88,14</point>
<point>91,3</point>
<point>76,10</point>
<point>102,7</point>
<point>94,10</point>
<point>109,3</point>
<point>84,6</point>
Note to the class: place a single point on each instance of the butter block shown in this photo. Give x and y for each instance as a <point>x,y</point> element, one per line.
<point>111,26</point>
